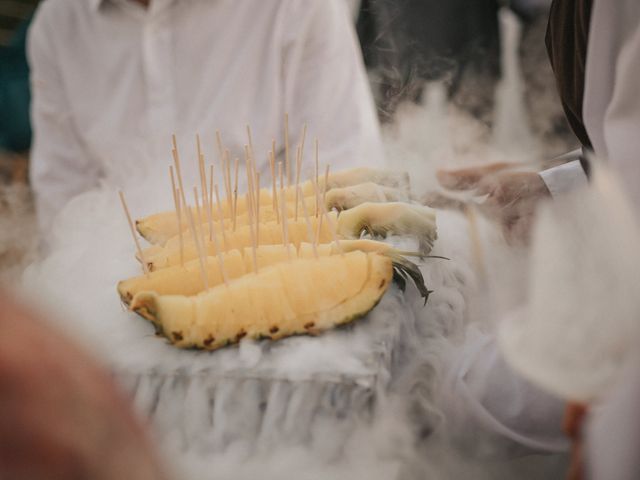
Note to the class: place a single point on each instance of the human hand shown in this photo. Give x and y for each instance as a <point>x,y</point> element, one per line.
<point>62,415</point>
<point>512,197</point>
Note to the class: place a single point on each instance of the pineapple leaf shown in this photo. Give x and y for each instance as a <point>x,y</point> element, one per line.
<point>404,268</point>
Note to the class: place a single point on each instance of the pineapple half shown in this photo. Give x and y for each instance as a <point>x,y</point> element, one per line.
<point>187,280</point>
<point>304,296</point>
<point>349,197</point>
<point>159,227</point>
<point>378,219</point>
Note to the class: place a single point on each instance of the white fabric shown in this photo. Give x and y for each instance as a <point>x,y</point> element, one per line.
<point>613,430</point>
<point>112,81</point>
<point>612,103</point>
<point>564,178</point>
<point>485,401</point>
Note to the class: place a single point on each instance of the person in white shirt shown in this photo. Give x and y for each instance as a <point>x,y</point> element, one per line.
<point>606,435</point>
<point>112,80</point>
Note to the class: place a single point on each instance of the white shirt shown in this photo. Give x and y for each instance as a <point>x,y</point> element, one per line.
<point>112,81</point>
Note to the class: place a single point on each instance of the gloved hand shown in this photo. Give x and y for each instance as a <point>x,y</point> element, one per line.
<point>511,196</point>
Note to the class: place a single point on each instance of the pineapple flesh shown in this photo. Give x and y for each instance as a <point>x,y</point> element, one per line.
<point>304,296</point>
<point>352,196</point>
<point>187,280</point>
<point>158,228</point>
<point>379,219</point>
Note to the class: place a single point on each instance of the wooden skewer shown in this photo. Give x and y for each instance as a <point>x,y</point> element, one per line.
<point>317,167</point>
<point>180,233</point>
<point>176,161</point>
<point>236,163</point>
<point>220,145</point>
<point>312,239</point>
<point>250,138</point>
<point>221,219</point>
<point>251,230</point>
<point>227,178</point>
<point>145,268</point>
<point>285,225</point>
<point>302,140</point>
<point>332,227</point>
<point>199,249</point>
<point>324,194</point>
<point>273,148</point>
<point>176,201</point>
<point>274,195</point>
<point>298,166</point>
<point>250,190</point>
<point>258,210</point>
<point>203,183</point>
<point>223,170</point>
<point>199,224</point>
<point>211,200</point>
<point>287,163</point>
<point>325,187</point>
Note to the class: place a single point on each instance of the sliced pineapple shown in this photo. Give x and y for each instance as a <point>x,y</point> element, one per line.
<point>187,280</point>
<point>352,196</point>
<point>271,233</point>
<point>394,218</point>
<point>158,228</point>
<point>279,301</point>
<point>379,219</point>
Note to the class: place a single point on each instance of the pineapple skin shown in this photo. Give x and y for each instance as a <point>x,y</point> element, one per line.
<point>283,300</point>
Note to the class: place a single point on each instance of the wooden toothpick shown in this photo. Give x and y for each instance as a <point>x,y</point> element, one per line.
<point>258,210</point>
<point>199,248</point>
<point>176,201</point>
<point>324,194</point>
<point>236,163</point>
<point>332,227</point>
<point>287,163</point>
<point>227,180</point>
<point>317,173</point>
<point>274,194</point>
<point>211,201</point>
<point>145,267</point>
<point>312,239</point>
<point>298,166</point>
<point>203,185</point>
<point>200,225</point>
<point>221,219</point>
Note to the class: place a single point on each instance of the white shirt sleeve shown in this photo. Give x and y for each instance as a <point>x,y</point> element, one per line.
<point>621,127</point>
<point>326,85</point>
<point>484,401</point>
<point>60,167</point>
<point>564,178</point>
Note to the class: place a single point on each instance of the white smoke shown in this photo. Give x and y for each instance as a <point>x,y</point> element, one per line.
<point>355,403</point>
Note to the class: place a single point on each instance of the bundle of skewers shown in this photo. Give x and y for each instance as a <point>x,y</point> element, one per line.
<point>281,260</point>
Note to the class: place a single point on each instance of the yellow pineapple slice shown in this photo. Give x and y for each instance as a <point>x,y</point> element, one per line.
<point>159,227</point>
<point>277,302</point>
<point>393,218</point>
<point>187,280</point>
<point>377,218</point>
<point>158,257</point>
<point>352,196</point>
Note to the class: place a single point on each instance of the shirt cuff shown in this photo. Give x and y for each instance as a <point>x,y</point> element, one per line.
<point>564,178</point>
